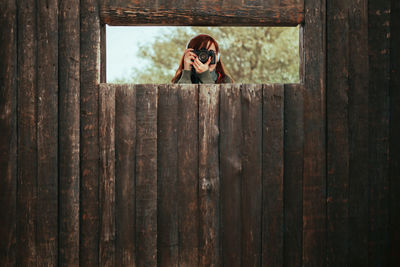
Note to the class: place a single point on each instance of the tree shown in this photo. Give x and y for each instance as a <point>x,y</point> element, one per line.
<point>250,54</point>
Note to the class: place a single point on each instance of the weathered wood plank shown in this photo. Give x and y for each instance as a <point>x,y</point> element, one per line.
<point>251,182</point>
<point>27,135</point>
<point>167,157</point>
<point>378,134</point>
<point>125,160</point>
<point>293,174</point>
<point>230,173</point>
<point>103,54</point>
<point>209,186</point>
<point>8,132</point>
<point>69,95</point>
<point>272,172</point>
<point>146,175</point>
<point>314,179</point>
<point>107,175</point>
<point>188,183</point>
<point>358,129</point>
<point>337,133</point>
<point>47,134</point>
<point>203,12</point>
<point>89,142</point>
<point>394,143</point>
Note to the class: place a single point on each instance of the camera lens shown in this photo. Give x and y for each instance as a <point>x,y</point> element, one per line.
<point>203,57</point>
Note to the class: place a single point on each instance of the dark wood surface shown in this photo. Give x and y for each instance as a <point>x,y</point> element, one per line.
<point>27,139</point>
<point>89,133</point>
<point>272,175</point>
<point>209,169</point>
<point>107,176</point>
<point>8,132</point>
<point>293,174</point>
<point>338,147</point>
<point>203,12</point>
<point>188,173</point>
<point>231,170</point>
<point>251,170</point>
<point>167,195</point>
<point>314,171</point>
<point>339,194</point>
<point>378,130</point>
<point>47,142</point>
<point>125,159</point>
<point>69,137</point>
<point>394,143</point>
<point>146,175</point>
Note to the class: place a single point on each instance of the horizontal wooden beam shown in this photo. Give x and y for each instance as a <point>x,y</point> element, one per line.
<point>203,13</point>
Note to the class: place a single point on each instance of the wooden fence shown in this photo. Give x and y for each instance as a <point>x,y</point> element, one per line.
<point>201,175</point>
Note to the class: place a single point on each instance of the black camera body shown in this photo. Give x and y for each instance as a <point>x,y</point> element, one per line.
<point>203,55</point>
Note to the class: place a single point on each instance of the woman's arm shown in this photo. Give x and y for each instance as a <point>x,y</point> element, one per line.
<point>185,77</point>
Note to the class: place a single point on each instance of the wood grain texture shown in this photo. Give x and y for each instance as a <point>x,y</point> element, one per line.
<point>167,168</point>
<point>293,174</point>
<point>378,131</point>
<point>8,132</point>
<point>47,134</point>
<point>188,171</point>
<point>69,139</point>
<point>230,155</point>
<point>338,147</point>
<point>314,179</point>
<point>394,144</point>
<point>125,161</point>
<point>146,175</point>
<point>209,184</point>
<point>107,175</point>
<point>89,137</point>
<point>272,175</point>
<point>26,248</point>
<point>103,54</point>
<point>203,12</point>
<point>357,131</point>
<point>251,184</point>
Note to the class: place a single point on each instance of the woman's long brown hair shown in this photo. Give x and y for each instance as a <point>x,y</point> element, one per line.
<point>198,42</point>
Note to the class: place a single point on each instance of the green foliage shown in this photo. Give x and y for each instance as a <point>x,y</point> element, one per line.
<point>250,54</point>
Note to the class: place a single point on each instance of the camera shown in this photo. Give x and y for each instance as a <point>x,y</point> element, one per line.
<point>203,55</point>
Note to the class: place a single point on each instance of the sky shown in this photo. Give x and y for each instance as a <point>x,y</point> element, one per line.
<point>122,45</point>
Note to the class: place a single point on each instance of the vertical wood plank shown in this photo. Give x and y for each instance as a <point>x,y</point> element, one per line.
<point>89,142</point>
<point>146,175</point>
<point>69,94</point>
<point>378,116</point>
<point>188,183</point>
<point>337,133</point>
<point>167,144</point>
<point>8,132</point>
<point>314,179</point>
<point>103,53</point>
<point>47,134</point>
<point>125,159</point>
<point>272,173</point>
<point>394,145</point>
<point>231,174</point>
<point>293,174</point>
<point>107,175</point>
<point>27,134</point>
<point>209,187</point>
<point>251,186</point>
<point>358,129</point>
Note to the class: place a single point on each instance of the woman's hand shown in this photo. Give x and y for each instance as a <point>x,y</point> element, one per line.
<point>188,59</point>
<point>200,67</point>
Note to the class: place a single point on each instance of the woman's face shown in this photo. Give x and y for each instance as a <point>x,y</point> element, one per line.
<point>213,66</point>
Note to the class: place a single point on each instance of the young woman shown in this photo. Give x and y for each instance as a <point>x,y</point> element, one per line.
<point>193,70</point>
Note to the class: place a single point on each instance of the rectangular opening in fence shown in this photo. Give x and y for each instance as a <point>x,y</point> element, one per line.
<point>153,54</point>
